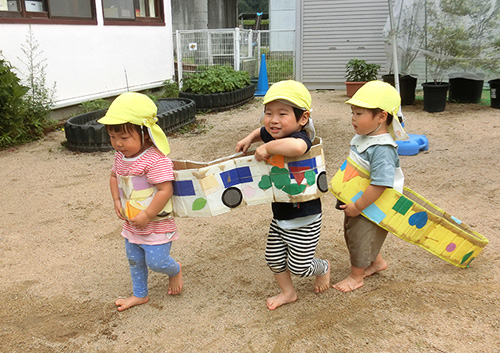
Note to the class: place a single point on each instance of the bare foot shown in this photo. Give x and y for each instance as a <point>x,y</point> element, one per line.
<point>375,267</point>
<point>175,282</point>
<point>123,304</point>
<point>349,284</point>
<point>280,299</point>
<point>323,282</point>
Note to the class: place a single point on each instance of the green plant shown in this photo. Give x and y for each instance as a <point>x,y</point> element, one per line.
<point>39,98</point>
<point>12,107</point>
<point>169,89</point>
<point>215,79</point>
<point>358,70</point>
<point>93,105</point>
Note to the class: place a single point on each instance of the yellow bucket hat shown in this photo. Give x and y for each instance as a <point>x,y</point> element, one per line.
<point>138,109</point>
<point>378,94</point>
<point>295,93</point>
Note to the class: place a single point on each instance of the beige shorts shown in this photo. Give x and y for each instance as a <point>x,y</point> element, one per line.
<point>364,240</point>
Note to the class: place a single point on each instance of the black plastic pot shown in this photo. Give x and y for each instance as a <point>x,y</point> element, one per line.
<point>221,101</point>
<point>85,134</point>
<point>407,86</point>
<point>495,93</point>
<point>465,90</point>
<point>435,96</point>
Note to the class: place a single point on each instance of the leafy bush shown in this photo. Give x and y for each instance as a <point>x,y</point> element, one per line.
<point>358,70</point>
<point>12,107</point>
<point>215,79</point>
<point>96,104</point>
<point>170,89</point>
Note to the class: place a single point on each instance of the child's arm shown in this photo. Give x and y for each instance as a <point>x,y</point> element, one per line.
<point>288,147</point>
<point>371,194</point>
<point>115,193</point>
<point>164,192</point>
<point>244,144</point>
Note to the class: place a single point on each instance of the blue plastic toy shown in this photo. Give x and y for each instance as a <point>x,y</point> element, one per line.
<point>415,144</point>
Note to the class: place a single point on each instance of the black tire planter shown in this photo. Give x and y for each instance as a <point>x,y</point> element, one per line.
<point>85,134</point>
<point>221,101</point>
<point>407,86</point>
<point>435,96</point>
<point>465,90</point>
<point>495,93</point>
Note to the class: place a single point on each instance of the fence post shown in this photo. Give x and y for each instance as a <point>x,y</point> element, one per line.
<point>179,57</point>
<point>236,49</point>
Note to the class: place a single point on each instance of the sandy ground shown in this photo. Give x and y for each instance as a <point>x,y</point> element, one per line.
<point>63,263</point>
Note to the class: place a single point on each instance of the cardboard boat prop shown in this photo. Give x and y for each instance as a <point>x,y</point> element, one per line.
<point>410,217</point>
<point>209,189</point>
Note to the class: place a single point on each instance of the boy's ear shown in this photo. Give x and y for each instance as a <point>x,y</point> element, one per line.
<point>382,116</point>
<point>304,118</point>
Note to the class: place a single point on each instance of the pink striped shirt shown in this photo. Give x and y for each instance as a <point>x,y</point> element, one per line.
<point>158,168</point>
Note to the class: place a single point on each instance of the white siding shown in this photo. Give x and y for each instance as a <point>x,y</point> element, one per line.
<point>333,32</point>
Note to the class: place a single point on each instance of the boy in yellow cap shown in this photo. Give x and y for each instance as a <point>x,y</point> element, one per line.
<point>295,228</point>
<point>374,118</point>
<point>141,187</point>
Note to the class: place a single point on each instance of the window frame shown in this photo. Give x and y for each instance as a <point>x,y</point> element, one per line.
<point>159,20</point>
<point>29,17</point>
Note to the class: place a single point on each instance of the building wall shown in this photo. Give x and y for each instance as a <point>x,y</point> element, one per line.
<point>330,33</point>
<point>95,61</point>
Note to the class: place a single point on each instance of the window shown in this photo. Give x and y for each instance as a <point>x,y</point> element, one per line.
<point>127,12</point>
<point>47,11</point>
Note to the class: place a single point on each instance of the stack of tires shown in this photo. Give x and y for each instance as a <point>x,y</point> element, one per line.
<point>85,134</point>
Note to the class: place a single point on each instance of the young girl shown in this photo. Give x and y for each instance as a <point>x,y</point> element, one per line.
<point>141,186</point>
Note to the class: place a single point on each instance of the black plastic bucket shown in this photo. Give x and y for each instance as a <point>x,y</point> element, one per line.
<point>407,85</point>
<point>465,90</point>
<point>495,93</point>
<point>435,96</point>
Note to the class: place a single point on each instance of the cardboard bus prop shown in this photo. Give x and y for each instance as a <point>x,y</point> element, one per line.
<point>209,189</point>
<point>410,217</point>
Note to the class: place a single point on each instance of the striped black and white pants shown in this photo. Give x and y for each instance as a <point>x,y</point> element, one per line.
<point>293,250</point>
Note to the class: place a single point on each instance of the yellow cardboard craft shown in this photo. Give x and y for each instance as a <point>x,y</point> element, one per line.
<point>216,187</point>
<point>410,217</point>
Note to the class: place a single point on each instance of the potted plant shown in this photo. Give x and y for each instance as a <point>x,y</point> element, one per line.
<point>217,88</point>
<point>477,50</point>
<point>444,43</point>
<point>409,39</point>
<point>358,72</point>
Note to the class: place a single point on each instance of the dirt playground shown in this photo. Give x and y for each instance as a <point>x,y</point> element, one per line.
<point>63,262</point>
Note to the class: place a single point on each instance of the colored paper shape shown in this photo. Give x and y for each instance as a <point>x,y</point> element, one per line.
<point>199,204</point>
<point>372,212</point>
<point>451,247</point>
<point>131,211</point>
<point>232,177</point>
<point>280,177</point>
<point>265,182</point>
<point>349,173</point>
<point>418,219</point>
<point>140,182</point>
<point>402,205</point>
<point>209,182</point>
<point>183,188</point>
<point>277,160</point>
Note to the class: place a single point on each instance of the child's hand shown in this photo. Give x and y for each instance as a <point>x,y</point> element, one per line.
<point>261,153</point>
<point>141,220</point>
<point>351,210</point>
<point>243,145</point>
<point>118,210</point>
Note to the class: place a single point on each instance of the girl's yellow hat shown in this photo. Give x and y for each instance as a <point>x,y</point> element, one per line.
<point>138,109</point>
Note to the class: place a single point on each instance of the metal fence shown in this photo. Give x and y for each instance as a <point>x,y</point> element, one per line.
<point>240,48</point>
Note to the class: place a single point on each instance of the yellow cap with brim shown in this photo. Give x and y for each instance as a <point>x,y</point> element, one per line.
<point>378,94</point>
<point>293,92</point>
<point>138,109</point>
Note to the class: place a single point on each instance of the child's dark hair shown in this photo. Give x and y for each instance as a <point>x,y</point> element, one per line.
<point>298,113</point>
<point>124,128</point>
